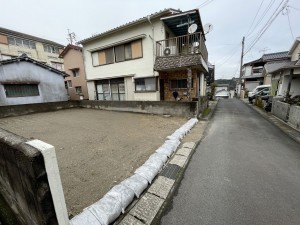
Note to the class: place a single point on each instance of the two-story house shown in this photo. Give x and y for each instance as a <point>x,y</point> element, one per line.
<point>14,44</point>
<point>257,72</point>
<point>74,66</point>
<point>286,76</point>
<point>148,59</point>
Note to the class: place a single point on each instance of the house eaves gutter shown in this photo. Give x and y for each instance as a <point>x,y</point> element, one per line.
<point>118,43</point>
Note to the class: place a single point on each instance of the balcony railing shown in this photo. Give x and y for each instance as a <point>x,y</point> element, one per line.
<point>182,45</point>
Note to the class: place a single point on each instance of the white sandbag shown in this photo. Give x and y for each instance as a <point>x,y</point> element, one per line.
<point>124,195</point>
<point>148,172</point>
<point>136,183</point>
<point>155,162</point>
<point>156,155</point>
<point>85,218</point>
<point>164,151</point>
<point>106,210</point>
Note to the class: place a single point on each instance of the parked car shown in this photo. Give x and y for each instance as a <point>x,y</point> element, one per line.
<point>265,92</point>
<point>252,94</point>
<point>256,90</point>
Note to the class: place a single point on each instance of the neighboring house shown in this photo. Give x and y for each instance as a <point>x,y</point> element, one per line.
<point>14,44</point>
<point>74,66</point>
<point>254,73</point>
<point>148,59</point>
<point>24,81</point>
<point>286,76</point>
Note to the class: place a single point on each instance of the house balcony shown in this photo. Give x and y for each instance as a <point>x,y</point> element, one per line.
<point>181,52</point>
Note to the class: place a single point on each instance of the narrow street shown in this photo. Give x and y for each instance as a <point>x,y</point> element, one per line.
<point>245,171</point>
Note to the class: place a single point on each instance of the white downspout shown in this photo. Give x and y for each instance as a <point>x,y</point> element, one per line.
<point>153,47</point>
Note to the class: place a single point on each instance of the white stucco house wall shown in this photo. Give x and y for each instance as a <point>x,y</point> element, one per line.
<point>120,63</point>
<point>25,81</point>
<point>286,78</point>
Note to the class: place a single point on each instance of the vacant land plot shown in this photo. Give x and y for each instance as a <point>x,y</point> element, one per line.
<point>95,149</point>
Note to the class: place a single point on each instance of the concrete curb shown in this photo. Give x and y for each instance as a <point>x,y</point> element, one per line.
<point>283,126</point>
<point>149,208</point>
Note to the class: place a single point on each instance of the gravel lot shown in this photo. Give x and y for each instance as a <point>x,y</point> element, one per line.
<point>95,149</point>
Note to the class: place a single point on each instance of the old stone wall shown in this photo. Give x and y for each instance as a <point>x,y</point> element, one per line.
<point>294,116</point>
<point>280,109</point>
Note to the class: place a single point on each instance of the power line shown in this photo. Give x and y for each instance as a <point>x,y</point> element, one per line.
<point>268,24</point>
<point>255,17</point>
<point>271,3</point>
<point>205,3</point>
<point>288,16</point>
<point>293,7</point>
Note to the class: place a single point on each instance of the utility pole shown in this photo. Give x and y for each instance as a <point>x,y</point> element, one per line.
<point>242,57</point>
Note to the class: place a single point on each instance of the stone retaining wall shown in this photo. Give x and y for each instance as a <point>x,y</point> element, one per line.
<point>294,116</point>
<point>280,109</point>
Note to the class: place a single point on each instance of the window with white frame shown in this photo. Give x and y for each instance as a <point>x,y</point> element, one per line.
<point>78,90</point>
<point>51,49</point>
<point>69,83</point>
<point>75,72</point>
<point>57,65</point>
<point>21,42</point>
<point>145,84</point>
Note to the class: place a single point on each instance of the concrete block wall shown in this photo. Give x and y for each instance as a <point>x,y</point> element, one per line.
<point>294,116</point>
<point>24,182</point>
<point>186,109</point>
<point>280,109</point>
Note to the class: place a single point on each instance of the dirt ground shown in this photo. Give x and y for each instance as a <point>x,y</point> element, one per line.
<point>96,149</point>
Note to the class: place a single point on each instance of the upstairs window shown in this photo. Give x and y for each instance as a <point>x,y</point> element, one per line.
<point>51,49</point>
<point>21,90</point>
<point>78,90</point>
<point>132,50</point>
<point>21,42</point>
<point>106,56</point>
<point>75,72</point>
<point>57,65</point>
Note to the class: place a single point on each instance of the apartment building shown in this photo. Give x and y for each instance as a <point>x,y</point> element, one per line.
<point>13,44</point>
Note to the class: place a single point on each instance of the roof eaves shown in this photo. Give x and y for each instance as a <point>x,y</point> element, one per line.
<point>296,42</point>
<point>27,36</point>
<point>24,57</point>
<point>67,48</point>
<point>129,24</point>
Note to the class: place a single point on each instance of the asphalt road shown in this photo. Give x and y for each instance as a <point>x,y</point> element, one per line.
<point>245,171</point>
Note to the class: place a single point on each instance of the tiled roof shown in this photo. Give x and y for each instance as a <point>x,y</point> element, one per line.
<point>27,36</point>
<point>66,49</point>
<point>273,66</point>
<point>276,55</point>
<point>24,57</point>
<point>296,42</point>
<point>143,19</point>
<point>174,62</point>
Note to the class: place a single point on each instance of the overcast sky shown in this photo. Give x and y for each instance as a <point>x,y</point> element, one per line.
<point>231,19</point>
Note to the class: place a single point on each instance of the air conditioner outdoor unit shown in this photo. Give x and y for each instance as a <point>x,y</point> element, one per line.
<point>170,50</point>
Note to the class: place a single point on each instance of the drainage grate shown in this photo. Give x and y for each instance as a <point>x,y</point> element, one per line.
<point>171,171</point>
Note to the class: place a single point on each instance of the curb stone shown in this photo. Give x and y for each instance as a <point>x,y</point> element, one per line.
<point>150,207</point>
